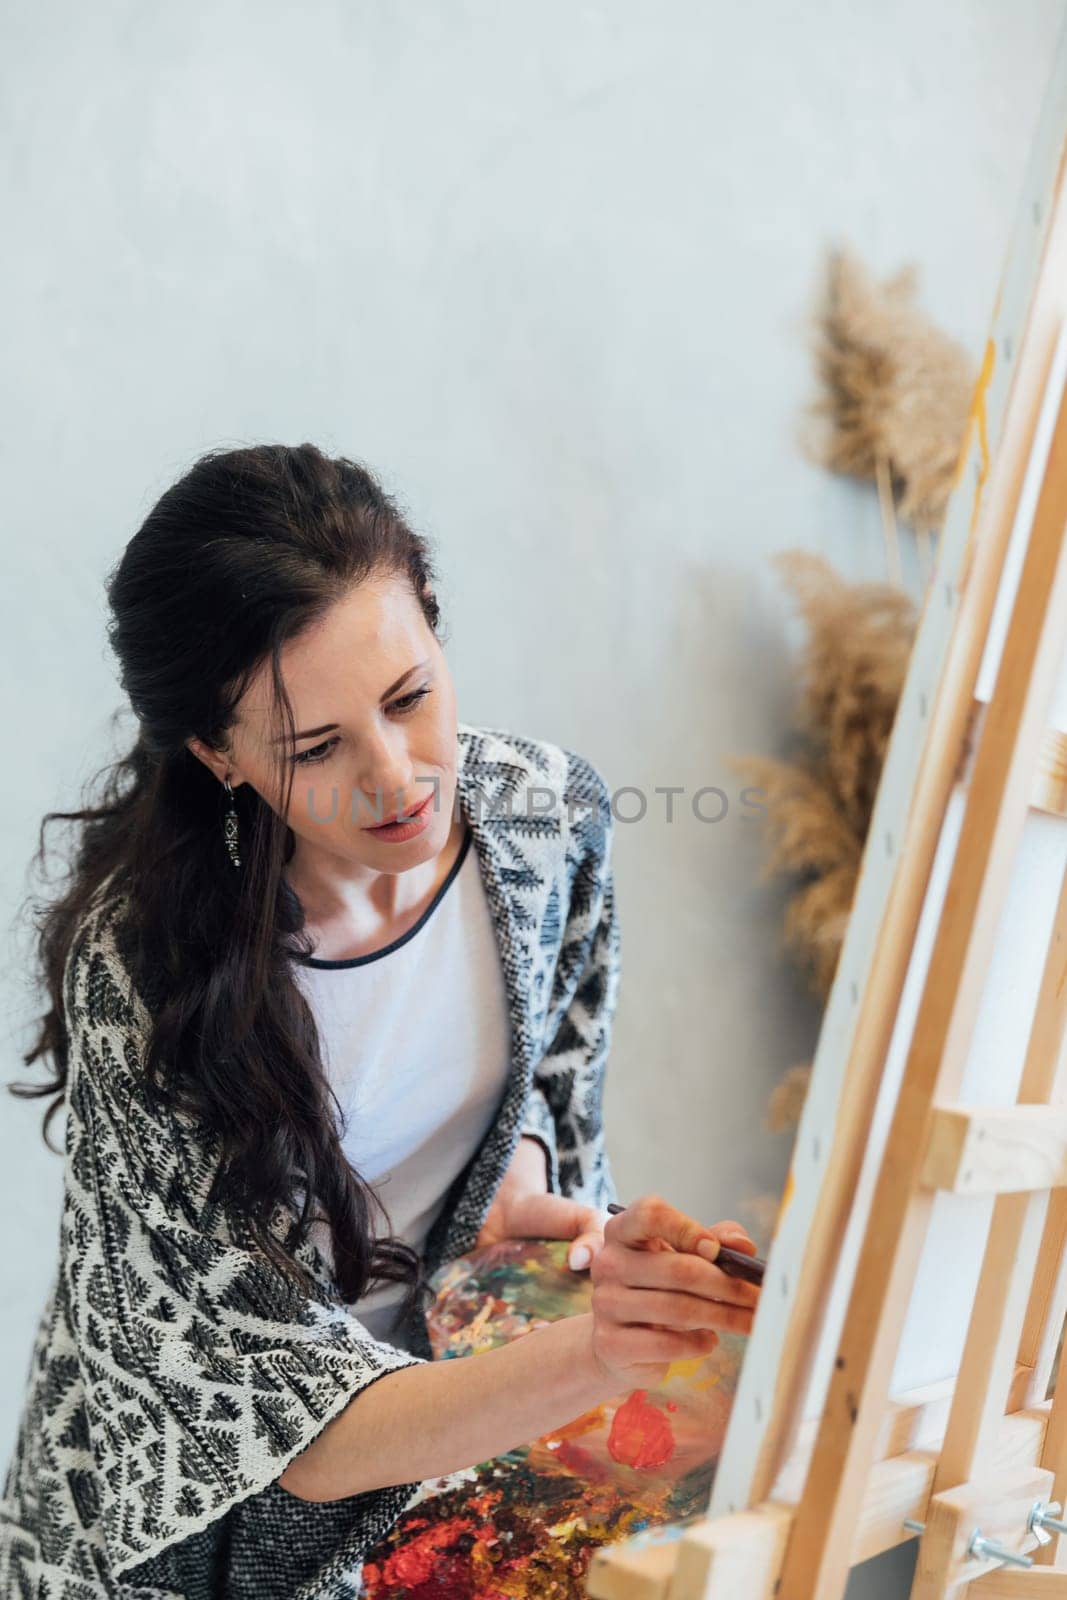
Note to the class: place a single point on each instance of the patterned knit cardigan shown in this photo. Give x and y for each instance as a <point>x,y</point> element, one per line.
<point>177,1371</point>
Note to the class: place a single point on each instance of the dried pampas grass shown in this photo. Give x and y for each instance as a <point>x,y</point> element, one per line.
<point>811,841</point>
<point>896,391</point>
<point>787,1098</point>
<point>819,806</point>
<point>860,638</point>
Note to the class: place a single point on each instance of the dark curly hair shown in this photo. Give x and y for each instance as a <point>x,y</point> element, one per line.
<point>247,550</point>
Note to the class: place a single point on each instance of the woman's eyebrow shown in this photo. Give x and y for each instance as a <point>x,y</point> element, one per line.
<point>328,727</point>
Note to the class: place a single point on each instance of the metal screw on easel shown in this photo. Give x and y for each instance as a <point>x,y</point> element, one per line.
<point>988,1550</point>
<point>1043,1515</point>
<point>984,1549</point>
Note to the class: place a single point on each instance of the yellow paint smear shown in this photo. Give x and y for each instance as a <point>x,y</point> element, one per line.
<point>787,1193</point>
<point>687,1370</point>
<point>978,417</point>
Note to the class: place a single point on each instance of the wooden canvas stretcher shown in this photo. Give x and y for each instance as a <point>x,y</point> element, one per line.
<point>897,1381</point>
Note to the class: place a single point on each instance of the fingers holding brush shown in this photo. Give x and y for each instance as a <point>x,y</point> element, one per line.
<point>653,1224</point>
<point>683,1272</point>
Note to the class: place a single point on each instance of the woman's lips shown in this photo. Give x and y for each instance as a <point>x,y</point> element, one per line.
<point>403,816</point>
<point>407,820</point>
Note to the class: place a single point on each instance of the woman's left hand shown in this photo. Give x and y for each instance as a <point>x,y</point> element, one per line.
<point>523,1208</point>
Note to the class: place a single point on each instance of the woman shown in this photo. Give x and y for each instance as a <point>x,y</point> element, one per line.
<point>267,999</point>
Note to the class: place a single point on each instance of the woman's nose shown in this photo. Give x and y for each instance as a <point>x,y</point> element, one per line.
<point>387,781</point>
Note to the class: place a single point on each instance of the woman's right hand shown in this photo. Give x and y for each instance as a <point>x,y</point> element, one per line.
<point>655,1300</point>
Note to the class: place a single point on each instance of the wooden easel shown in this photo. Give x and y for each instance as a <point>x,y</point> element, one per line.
<point>969,1466</point>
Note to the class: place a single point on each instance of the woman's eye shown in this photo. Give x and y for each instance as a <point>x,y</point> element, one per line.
<point>321,752</point>
<point>410,701</point>
<point>317,752</point>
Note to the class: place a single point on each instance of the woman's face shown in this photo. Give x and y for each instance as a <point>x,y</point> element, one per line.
<point>375,715</point>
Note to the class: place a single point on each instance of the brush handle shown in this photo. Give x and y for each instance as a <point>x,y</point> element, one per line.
<point>734,1263</point>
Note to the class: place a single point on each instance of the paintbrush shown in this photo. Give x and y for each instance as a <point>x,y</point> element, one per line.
<point>734,1263</point>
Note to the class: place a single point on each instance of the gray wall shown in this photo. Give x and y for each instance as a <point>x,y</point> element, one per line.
<point>546,268</point>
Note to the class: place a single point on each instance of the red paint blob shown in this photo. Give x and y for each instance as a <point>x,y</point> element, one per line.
<point>421,1559</point>
<point>640,1433</point>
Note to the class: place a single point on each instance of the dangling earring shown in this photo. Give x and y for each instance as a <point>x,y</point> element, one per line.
<point>229,828</point>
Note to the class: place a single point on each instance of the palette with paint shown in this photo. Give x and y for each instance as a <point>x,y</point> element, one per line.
<point>524,1525</point>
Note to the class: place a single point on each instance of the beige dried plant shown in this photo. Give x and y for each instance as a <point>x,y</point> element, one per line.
<point>896,390</point>
<point>787,1098</point>
<point>811,841</point>
<point>819,805</point>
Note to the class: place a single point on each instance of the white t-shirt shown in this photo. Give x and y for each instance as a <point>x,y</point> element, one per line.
<point>416,1040</point>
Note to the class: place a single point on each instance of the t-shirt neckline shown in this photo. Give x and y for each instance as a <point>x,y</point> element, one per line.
<point>376,955</point>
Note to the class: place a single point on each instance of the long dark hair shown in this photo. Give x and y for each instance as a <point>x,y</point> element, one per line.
<point>248,549</point>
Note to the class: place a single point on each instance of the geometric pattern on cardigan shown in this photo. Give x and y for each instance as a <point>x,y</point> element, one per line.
<point>176,1371</point>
